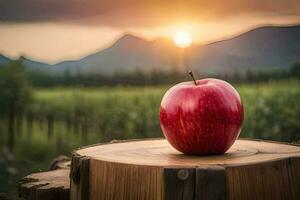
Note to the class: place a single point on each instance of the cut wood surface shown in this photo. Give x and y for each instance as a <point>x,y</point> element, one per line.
<point>160,153</point>
<point>49,185</point>
<point>152,169</point>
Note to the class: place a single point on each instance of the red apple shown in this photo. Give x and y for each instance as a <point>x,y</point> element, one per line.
<point>201,117</point>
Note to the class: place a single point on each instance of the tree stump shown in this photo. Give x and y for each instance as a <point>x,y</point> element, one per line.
<point>152,169</point>
<point>50,185</point>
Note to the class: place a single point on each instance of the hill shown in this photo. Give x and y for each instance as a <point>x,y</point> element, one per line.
<point>260,48</point>
<point>3,59</point>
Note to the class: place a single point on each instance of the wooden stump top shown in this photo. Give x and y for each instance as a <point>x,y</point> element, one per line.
<point>158,152</point>
<point>50,185</point>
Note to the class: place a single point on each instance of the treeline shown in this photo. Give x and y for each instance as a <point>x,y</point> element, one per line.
<point>45,79</point>
<point>255,76</point>
<point>42,79</point>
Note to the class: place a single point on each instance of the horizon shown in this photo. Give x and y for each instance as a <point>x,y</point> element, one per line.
<point>54,62</point>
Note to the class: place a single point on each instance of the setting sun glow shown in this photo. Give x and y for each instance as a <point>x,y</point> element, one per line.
<point>183,39</point>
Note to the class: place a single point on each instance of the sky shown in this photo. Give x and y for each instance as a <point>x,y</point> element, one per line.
<point>56,30</point>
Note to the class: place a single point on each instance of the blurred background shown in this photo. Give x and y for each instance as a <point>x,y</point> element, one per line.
<point>74,72</point>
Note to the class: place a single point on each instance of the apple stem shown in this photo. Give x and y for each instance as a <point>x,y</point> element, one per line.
<point>192,75</point>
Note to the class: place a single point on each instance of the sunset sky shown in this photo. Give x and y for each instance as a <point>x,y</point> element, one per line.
<point>54,30</point>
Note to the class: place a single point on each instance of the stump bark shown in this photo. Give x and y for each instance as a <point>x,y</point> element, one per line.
<point>153,170</point>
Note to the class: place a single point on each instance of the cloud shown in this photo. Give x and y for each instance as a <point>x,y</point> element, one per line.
<point>136,13</point>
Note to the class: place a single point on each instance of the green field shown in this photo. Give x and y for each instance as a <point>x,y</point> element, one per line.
<point>272,110</point>
<point>61,119</point>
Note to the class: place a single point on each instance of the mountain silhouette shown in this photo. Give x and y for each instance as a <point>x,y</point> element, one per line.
<point>3,59</point>
<point>260,48</point>
<point>263,47</point>
<point>127,54</point>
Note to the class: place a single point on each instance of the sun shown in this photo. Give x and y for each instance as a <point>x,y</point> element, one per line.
<point>183,39</point>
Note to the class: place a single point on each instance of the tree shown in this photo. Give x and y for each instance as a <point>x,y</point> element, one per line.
<point>295,70</point>
<point>67,77</point>
<point>15,94</point>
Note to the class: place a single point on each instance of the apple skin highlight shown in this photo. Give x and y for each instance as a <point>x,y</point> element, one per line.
<point>201,119</point>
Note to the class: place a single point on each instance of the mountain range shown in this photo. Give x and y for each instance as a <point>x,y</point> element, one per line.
<point>261,48</point>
